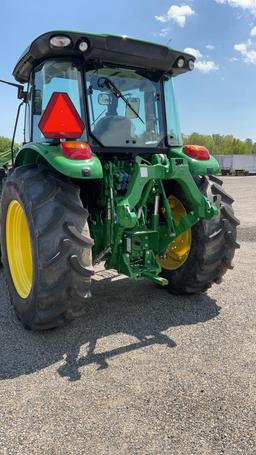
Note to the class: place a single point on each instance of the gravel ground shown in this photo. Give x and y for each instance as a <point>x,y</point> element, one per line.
<point>143,373</point>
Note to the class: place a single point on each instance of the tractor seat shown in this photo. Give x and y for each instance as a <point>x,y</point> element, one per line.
<point>113,130</point>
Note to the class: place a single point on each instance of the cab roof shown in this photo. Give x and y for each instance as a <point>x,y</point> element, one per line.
<point>119,50</point>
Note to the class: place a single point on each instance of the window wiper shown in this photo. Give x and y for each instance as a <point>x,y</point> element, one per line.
<point>115,90</point>
<point>97,118</point>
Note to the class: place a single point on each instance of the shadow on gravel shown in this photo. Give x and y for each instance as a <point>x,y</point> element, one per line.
<point>136,309</point>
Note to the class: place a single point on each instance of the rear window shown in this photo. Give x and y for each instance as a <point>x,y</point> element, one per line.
<point>55,76</point>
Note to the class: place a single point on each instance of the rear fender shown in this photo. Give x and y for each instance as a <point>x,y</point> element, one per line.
<point>196,167</point>
<point>33,153</point>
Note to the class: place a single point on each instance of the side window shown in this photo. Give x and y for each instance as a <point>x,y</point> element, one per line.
<point>173,127</point>
<point>55,76</point>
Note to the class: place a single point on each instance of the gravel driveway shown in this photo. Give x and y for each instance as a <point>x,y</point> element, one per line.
<point>144,372</point>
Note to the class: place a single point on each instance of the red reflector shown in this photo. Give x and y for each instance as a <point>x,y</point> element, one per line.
<point>198,152</point>
<point>60,118</point>
<point>76,150</point>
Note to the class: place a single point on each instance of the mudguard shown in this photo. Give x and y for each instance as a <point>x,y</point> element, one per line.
<point>33,153</point>
<point>196,167</point>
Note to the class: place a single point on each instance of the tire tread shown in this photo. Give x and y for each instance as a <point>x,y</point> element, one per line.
<point>60,267</point>
<point>214,246</point>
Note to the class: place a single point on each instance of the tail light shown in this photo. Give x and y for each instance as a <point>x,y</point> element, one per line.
<point>76,150</point>
<point>198,152</point>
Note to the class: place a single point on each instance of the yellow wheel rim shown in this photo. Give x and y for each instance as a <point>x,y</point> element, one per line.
<point>19,251</point>
<point>178,251</point>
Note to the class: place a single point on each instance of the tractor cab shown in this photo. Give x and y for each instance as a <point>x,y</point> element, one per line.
<point>116,92</point>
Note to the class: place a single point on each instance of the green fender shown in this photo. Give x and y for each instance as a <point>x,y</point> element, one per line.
<point>196,167</point>
<point>33,153</point>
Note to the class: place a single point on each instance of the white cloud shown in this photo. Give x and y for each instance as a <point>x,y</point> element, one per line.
<point>203,65</point>
<point>206,66</point>
<point>247,50</point>
<point>233,59</point>
<point>177,14</point>
<point>164,31</point>
<point>244,4</point>
<point>210,47</point>
<point>241,47</point>
<point>192,51</point>
<point>253,31</point>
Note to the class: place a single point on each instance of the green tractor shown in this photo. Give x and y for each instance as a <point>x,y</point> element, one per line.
<point>103,176</point>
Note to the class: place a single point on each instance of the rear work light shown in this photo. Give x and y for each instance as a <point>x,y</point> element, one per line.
<point>76,150</point>
<point>83,46</point>
<point>61,119</point>
<point>198,152</point>
<point>60,41</point>
<point>180,62</point>
<point>191,65</point>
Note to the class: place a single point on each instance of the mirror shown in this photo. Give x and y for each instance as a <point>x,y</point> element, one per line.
<point>135,103</point>
<point>104,99</point>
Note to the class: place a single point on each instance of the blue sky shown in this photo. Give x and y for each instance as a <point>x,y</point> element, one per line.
<point>219,96</point>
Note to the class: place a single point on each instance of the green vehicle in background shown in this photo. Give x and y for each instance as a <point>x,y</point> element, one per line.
<point>103,176</point>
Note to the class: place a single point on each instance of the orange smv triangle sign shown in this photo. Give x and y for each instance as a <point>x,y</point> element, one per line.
<point>60,118</point>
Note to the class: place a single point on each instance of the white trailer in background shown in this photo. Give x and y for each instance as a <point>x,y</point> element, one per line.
<point>237,164</point>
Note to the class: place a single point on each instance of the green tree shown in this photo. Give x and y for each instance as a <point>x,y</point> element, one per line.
<point>5,144</point>
<point>222,145</point>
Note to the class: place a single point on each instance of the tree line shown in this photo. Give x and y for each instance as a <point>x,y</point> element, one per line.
<point>216,144</point>
<point>222,145</point>
<point>5,144</point>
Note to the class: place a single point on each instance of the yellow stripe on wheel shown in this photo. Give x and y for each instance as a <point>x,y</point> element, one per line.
<point>178,251</point>
<point>19,250</point>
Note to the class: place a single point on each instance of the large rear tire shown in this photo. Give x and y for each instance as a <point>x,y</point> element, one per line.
<point>46,247</point>
<point>213,243</point>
